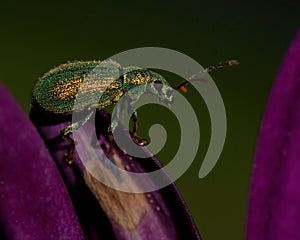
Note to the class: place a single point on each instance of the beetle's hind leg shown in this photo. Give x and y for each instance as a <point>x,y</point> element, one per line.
<point>65,134</point>
<point>109,150</point>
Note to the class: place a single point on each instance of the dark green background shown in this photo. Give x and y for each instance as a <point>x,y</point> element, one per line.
<point>36,36</point>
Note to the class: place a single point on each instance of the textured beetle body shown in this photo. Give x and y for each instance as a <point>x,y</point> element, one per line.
<point>56,90</point>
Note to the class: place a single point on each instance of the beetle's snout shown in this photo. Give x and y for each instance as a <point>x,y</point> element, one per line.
<point>163,91</point>
<point>167,101</point>
<point>168,97</point>
<point>170,103</point>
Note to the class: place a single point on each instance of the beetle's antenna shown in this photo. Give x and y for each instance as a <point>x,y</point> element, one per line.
<point>197,76</point>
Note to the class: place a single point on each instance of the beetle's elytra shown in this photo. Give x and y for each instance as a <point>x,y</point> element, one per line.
<point>56,90</point>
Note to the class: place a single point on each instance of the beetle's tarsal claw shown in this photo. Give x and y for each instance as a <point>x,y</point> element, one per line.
<point>109,153</point>
<point>68,158</point>
<point>69,155</point>
<point>140,141</point>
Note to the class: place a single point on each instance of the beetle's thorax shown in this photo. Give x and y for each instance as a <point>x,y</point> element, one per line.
<point>140,81</point>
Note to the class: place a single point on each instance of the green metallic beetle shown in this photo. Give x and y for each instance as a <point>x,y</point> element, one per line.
<point>56,91</point>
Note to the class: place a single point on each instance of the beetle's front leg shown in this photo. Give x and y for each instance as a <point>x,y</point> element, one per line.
<point>65,134</point>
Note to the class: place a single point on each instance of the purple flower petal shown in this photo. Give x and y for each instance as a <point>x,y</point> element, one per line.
<point>274,203</point>
<point>34,203</point>
<point>160,214</point>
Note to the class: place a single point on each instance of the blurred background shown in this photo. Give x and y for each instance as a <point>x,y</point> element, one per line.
<point>38,35</point>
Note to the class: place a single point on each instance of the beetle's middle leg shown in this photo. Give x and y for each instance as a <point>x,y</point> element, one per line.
<point>138,140</point>
<point>115,122</point>
<point>65,134</point>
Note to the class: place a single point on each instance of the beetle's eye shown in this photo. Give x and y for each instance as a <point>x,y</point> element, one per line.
<point>158,86</point>
<point>169,93</point>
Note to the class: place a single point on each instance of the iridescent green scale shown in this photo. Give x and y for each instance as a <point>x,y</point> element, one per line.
<point>56,90</point>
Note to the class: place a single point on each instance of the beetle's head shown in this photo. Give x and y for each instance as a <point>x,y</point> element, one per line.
<point>163,90</point>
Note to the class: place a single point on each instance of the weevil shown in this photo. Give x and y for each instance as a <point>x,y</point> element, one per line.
<point>56,90</point>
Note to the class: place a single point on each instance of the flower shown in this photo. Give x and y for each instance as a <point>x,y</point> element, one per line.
<point>274,201</point>
<point>42,197</point>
